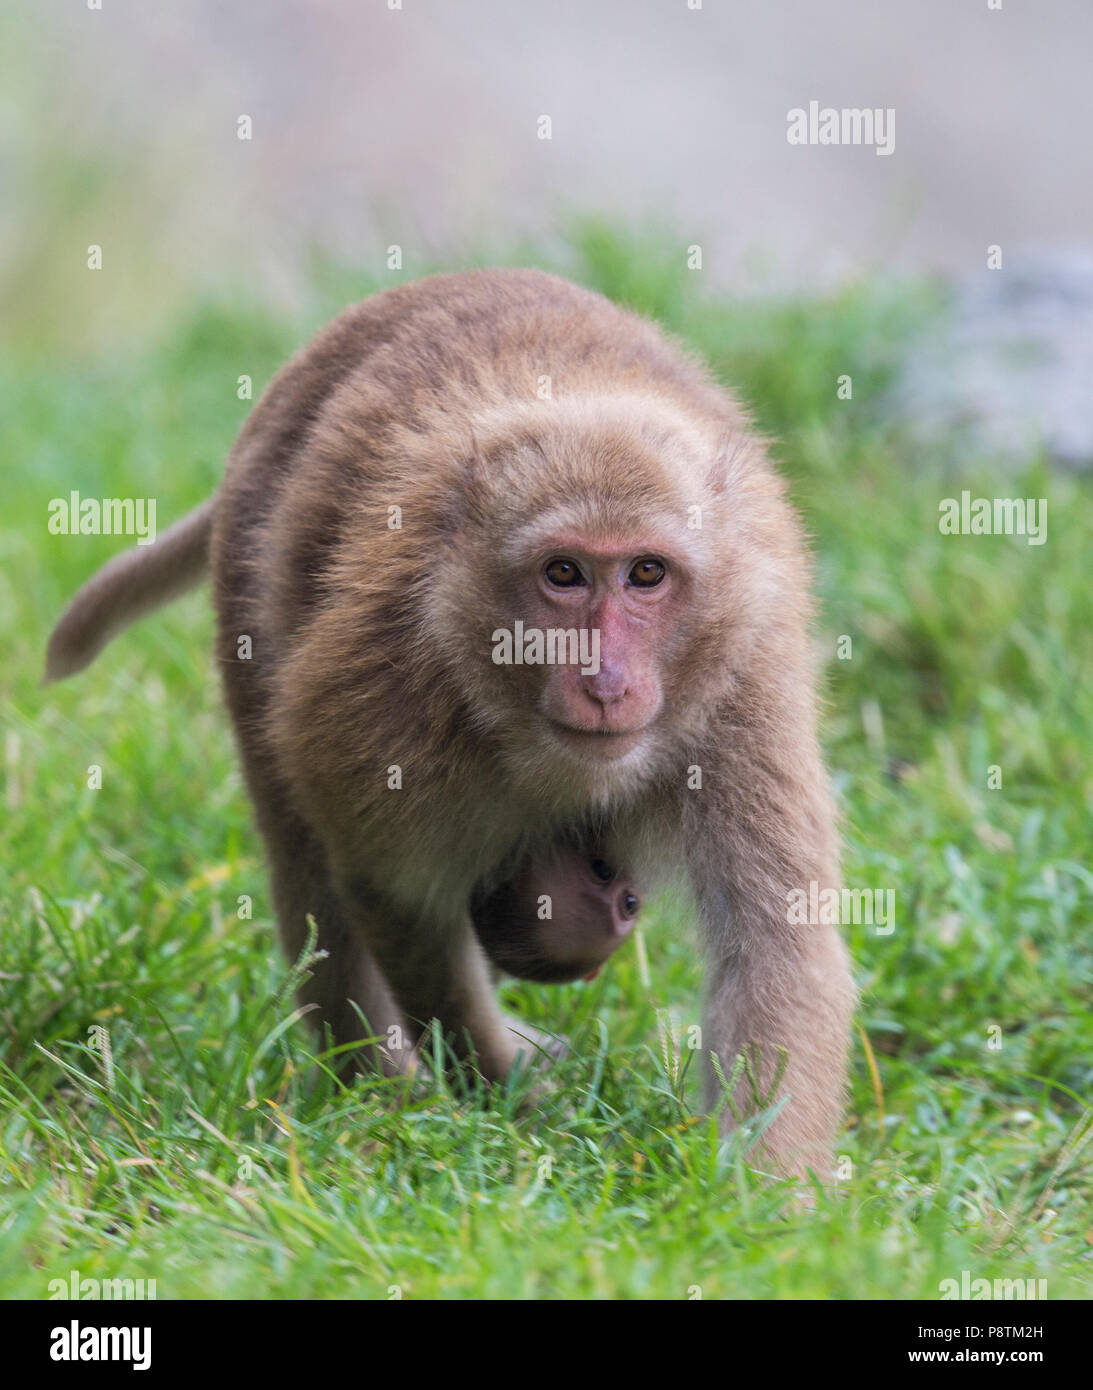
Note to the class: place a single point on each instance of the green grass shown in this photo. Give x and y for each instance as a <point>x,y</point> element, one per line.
<point>213,1154</point>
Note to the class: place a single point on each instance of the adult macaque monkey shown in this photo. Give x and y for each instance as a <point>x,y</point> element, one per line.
<point>443,461</point>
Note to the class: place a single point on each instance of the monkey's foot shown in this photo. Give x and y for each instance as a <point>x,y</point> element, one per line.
<point>533,1045</point>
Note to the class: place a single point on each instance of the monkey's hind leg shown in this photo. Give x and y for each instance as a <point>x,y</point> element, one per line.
<point>344,989</point>
<point>438,970</point>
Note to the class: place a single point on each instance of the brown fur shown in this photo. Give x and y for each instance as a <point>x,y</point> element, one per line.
<point>371,648</point>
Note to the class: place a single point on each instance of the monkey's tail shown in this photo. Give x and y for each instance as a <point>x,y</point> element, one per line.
<point>127,587</point>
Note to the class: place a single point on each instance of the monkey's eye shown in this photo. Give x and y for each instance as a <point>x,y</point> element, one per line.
<point>603,871</point>
<point>563,574</point>
<point>647,574</point>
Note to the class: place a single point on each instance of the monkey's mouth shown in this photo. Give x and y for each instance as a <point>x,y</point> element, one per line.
<point>541,971</point>
<point>606,743</point>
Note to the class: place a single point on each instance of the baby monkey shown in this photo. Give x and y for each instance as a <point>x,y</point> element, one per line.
<point>559,918</point>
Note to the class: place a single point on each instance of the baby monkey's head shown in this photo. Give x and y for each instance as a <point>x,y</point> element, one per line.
<point>559,917</point>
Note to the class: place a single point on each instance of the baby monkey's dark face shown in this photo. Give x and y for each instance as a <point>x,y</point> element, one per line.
<point>559,917</point>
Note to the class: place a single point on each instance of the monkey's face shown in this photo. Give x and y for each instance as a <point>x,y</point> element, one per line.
<point>604,697</point>
<point>559,919</point>
<point>597,619</point>
<point>586,594</point>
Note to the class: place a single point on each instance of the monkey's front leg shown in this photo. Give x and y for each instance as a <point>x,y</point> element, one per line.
<point>778,991</point>
<point>437,970</point>
<point>784,1002</point>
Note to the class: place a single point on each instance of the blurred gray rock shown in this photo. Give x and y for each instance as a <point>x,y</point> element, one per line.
<point>1011,367</point>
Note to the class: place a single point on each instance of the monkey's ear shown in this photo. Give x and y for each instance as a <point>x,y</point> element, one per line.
<point>717,475</point>
<point>726,465</point>
<point>469,474</point>
<point>469,493</point>
<point>477,467</point>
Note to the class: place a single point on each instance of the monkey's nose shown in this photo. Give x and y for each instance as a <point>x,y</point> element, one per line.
<point>607,688</point>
